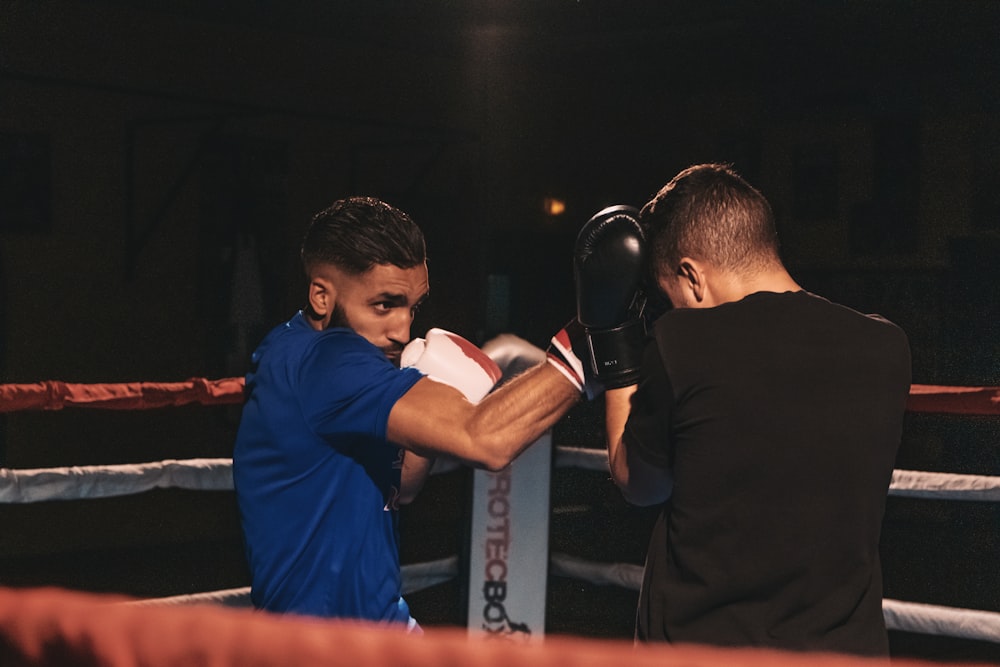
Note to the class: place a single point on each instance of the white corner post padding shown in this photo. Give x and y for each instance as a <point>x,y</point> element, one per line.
<point>509,536</point>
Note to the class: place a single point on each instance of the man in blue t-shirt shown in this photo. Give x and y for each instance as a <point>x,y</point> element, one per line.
<point>334,435</point>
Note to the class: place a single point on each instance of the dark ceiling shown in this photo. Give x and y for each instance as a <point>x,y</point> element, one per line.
<point>924,42</point>
<point>439,26</point>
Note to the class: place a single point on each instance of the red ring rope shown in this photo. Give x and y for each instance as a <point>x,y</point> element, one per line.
<point>55,395</point>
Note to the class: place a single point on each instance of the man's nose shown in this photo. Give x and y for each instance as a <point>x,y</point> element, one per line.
<point>400,329</point>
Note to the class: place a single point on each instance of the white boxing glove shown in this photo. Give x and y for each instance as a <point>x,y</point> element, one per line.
<point>449,358</point>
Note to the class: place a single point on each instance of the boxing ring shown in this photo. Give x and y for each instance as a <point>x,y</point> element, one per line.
<point>37,624</point>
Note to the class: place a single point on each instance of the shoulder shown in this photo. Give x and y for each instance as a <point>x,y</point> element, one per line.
<point>799,311</point>
<point>871,321</point>
<point>340,346</point>
<point>877,334</point>
<point>340,364</point>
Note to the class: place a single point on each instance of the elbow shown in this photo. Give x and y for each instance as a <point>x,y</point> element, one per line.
<point>487,467</point>
<point>640,491</point>
<point>489,452</point>
<point>645,495</point>
<point>492,460</point>
<point>407,497</point>
<point>633,498</point>
<point>641,484</point>
<point>622,483</point>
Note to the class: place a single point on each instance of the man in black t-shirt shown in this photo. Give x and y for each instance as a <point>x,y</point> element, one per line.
<point>766,421</point>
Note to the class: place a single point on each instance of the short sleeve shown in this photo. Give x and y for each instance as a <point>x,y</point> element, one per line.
<point>348,386</point>
<point>647,429</point>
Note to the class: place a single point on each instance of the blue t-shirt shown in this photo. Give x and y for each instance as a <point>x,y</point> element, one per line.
<point>316,480</point>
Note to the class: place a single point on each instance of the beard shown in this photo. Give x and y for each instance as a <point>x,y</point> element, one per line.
<point>338,318</point>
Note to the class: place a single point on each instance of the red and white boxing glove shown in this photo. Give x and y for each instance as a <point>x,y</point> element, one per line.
<point>449,358</point>
<point>564,353</point>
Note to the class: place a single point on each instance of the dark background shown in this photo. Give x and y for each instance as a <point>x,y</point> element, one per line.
<point>159,161</point>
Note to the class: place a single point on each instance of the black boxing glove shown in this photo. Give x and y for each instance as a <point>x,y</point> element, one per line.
<point>608,267</point>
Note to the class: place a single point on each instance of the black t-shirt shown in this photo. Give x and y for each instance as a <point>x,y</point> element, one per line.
<point>780,416</point>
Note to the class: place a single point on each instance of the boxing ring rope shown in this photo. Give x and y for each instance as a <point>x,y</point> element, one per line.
<point>56,395</point>
<point>107,481</point>
<point>86,482</point>
<point>416,577</point>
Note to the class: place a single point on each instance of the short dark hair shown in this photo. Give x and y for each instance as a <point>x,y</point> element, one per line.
<point>356,233</point>
<point>710,212</point>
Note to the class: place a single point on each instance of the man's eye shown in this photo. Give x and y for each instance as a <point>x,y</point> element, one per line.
<point>383,306</point>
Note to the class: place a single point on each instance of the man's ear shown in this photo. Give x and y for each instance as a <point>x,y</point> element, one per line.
<point>693,278</point>
<point>322,298</point>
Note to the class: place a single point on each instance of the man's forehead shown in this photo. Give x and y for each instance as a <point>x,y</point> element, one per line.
<point>392,280</point>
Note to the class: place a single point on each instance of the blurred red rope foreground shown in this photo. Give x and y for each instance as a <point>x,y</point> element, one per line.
<point>56,627</point>
<point>55,395</point>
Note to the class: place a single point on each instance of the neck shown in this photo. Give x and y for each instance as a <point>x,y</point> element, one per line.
<point>316,321</point>
<point>730,287</point>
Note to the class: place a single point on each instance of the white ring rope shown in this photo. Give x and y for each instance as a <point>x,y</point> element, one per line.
<point>415,576</point>
<point>901,616</point>
<point>913,617</point>
<point>86,482</point>
<point>105,481</point>
<point>908,483</point>
<point>929,619</point>
<point>944,486</point>
<point>623,575</point>
<point>229,597</point>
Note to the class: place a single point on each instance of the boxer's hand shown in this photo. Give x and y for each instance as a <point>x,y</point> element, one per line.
<point>564,353</point>
<point>608,268</point>
<point>449,358</point>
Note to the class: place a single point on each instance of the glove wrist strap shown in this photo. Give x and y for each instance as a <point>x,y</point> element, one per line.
<point>616,353</point>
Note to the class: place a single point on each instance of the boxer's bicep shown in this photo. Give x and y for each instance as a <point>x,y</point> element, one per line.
<point>431,419</point>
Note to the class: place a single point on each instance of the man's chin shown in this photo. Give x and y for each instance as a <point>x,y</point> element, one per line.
<point>393,355</point>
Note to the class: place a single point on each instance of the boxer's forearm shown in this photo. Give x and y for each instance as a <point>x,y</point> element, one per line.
<point>415,470</point>
<point>640,483</point>
<point>435,419</point>
<point>616,409</point>
<point>507,421</point>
